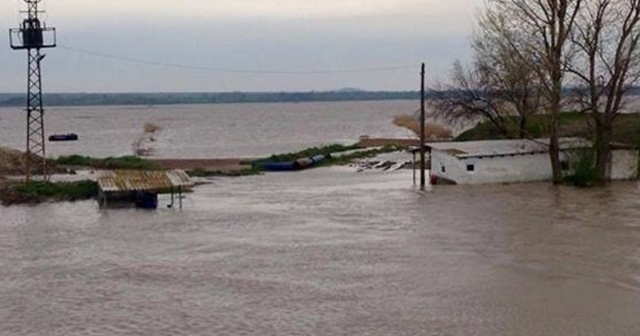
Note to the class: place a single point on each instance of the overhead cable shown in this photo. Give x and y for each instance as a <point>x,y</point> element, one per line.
<point>232,70</point>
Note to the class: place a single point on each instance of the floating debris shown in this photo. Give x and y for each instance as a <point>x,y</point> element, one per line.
<point>385,162</point>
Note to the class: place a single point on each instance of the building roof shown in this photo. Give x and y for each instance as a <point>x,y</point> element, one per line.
<point>500,148</point>
<point>141,180</point>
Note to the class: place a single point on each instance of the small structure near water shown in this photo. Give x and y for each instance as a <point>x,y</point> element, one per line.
<point>142,187</point>
<point>506,161</point>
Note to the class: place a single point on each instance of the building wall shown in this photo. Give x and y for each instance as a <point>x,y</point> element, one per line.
<point>446,167</point>
<point>624,164</point>
<point>522,168</point>
<point>519,168</point>
<point>510,169</point>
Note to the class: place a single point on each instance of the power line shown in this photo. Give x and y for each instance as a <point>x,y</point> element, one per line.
<point>231,70</point>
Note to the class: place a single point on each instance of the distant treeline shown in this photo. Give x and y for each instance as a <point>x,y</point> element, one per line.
<point>87,99</point>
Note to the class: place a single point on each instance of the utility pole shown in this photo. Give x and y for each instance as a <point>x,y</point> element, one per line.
<point>32,36</point>
<point>422,130</point>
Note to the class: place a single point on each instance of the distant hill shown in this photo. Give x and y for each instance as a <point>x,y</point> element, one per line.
<point>87,99</point>
<point>344,94</point>
<point>350,90</point>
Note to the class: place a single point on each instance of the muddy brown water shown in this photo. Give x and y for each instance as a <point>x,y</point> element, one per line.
<point>329,252</point>
<point>210,130</point>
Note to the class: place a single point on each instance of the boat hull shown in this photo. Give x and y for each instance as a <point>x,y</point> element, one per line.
<point>63,137</point>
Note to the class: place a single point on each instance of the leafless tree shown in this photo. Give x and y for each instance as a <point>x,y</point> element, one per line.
<point>498,87</point>
<point>607,64</point>
<point>551,24</point>
<point>513,83</point>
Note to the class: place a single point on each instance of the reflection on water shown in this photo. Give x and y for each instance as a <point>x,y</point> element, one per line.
<point>329,252</point>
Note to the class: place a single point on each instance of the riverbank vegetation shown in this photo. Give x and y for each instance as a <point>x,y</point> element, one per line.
<point>123,162</point>
<point>626,128</point>
<point>432,131</point>
<point>335,154</point>
<point>308,152</point>
<point>38,192</point>
<point>200,172</point>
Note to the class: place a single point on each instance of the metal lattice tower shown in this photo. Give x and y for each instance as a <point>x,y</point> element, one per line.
<point>34,36</point>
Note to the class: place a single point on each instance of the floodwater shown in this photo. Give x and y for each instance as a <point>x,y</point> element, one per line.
<point>210,130</point>
<point>321,252</point>
<point>329,252</point>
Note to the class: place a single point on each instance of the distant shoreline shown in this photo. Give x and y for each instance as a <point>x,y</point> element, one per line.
<point>186,98</point>
<point>145,99</point>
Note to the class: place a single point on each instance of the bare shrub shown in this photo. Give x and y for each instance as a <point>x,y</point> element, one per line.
<point>431,130</point>
<point>151,128</point>
<point>141,146</point>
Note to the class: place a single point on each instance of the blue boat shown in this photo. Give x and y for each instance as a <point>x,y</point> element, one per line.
<point>278,166</point>
<point>299,164</point>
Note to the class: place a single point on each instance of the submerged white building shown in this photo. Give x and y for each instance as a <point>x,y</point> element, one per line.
<point>507,161</point>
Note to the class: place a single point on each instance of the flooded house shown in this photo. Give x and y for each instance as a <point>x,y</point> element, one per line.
<point>521,160</point>
<point>141,188</point>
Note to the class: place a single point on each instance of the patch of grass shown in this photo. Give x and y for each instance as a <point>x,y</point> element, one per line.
<point>584,172</point>
<point>79,190</point>
<point>309,152</point>
<point>228,173</point>
<point>482,131</point>
<point>38,192</point>
<point>626,128</point>
<point>123,162</point>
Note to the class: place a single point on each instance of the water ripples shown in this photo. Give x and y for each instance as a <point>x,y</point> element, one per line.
<point>329,252</point>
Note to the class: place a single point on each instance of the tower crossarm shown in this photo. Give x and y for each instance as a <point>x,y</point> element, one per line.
<point>33,35</point>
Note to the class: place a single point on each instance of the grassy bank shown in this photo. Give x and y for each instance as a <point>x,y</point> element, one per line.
<point>223,173</point>
<point>39,192</point>
<point>123,162</point>
<point>626,128</point>
<point>309,152</point>
<point>331,151</point>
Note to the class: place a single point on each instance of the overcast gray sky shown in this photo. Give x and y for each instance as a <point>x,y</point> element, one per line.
<point>284,41</point>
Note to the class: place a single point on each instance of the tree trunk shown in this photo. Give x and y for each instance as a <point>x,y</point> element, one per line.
<point>523,127</point>
<point>602,148</point>
<point>554,143</point>
<point>554,154</point>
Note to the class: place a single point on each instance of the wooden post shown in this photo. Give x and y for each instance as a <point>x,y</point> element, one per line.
<point>413,166</point>
<point>422,130</point>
